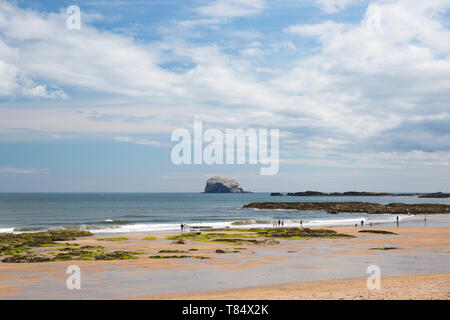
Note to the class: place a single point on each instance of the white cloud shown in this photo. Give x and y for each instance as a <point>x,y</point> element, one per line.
<point>231,8</point>
<point>123,139</point>
<point>140,141</point>
<point>329,28</point>
<point>363,81</point>
<point>334,6</point>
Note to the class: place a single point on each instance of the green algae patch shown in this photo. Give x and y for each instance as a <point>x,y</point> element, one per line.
<point>224,251</point>
<point>238,241</point>
<point>12,244</point>
<point>246,236</point>
<point>225,238</point>
<point>96,255</point>
<point>118,255</point>
<point>91,248</point>
<point>378,232</point>
<point>173,251</point>
<point>384,248</point>
<point>13,249</point>
<point>150,238</point>
<point>112,239</point>
<point>178,257</point>
<point>48,245</point>
<point>74,255</point>
<point>299,233</point>
<point>41,238</point>
<point>18,248</point>
<point>29,258</point>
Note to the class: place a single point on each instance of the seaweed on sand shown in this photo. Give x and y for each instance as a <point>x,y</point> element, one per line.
<point>178,257</point>
<point>298,233</point>
<point>245,236</point>
<point>118,255</point>
<point>112,239</point>
<point>11,244</point>
<point>29,258</point>
<point>378,232</point>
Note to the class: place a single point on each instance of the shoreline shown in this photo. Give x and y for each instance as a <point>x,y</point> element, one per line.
<point>378,220</point>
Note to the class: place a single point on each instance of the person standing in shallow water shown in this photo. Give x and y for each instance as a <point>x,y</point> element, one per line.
<point>182,227</point>
<point>397,222</point>
<point>362,223</point>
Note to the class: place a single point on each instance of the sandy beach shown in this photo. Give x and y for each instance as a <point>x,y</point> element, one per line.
<point>416,267</point>
<point>421,287</point>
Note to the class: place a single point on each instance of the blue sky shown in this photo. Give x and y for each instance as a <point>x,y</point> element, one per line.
<point>360,91</point>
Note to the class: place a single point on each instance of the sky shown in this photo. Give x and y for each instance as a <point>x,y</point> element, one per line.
<point>359,90</point>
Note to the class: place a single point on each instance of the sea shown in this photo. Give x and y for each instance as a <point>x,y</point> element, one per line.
<point>119,213</point>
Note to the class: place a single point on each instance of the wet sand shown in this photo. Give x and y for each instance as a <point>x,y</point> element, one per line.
<point>422,287</point>
<point>294,269</point>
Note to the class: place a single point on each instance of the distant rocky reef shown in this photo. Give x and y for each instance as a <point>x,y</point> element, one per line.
<point>361,194</point>
<point>220,184</point>
<point>355,207</point>
<point>435,195</point>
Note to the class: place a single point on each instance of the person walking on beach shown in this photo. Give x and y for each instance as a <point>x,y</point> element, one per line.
<point>282,223</point>
<point>397,222</point>
<point>362,223</point>
<point>301,223</point>
<point>182,227</point>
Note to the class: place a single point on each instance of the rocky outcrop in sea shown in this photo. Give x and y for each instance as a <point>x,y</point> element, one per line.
<point>220,184</point>
<point>359,207</point>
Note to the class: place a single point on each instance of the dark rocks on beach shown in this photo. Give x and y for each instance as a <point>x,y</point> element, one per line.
<point>308,194</point>
<point>378,232</point>
<point>223,185</point>
<point>435,195</point>
<point>29,258</point>
<point>17,243</point>
<point>276,194</point>
<point>355,207</point>
<point>347,194</point>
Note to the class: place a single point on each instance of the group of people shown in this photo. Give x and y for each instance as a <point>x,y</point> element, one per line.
<point>396,219</point>
<point>279,223</point>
